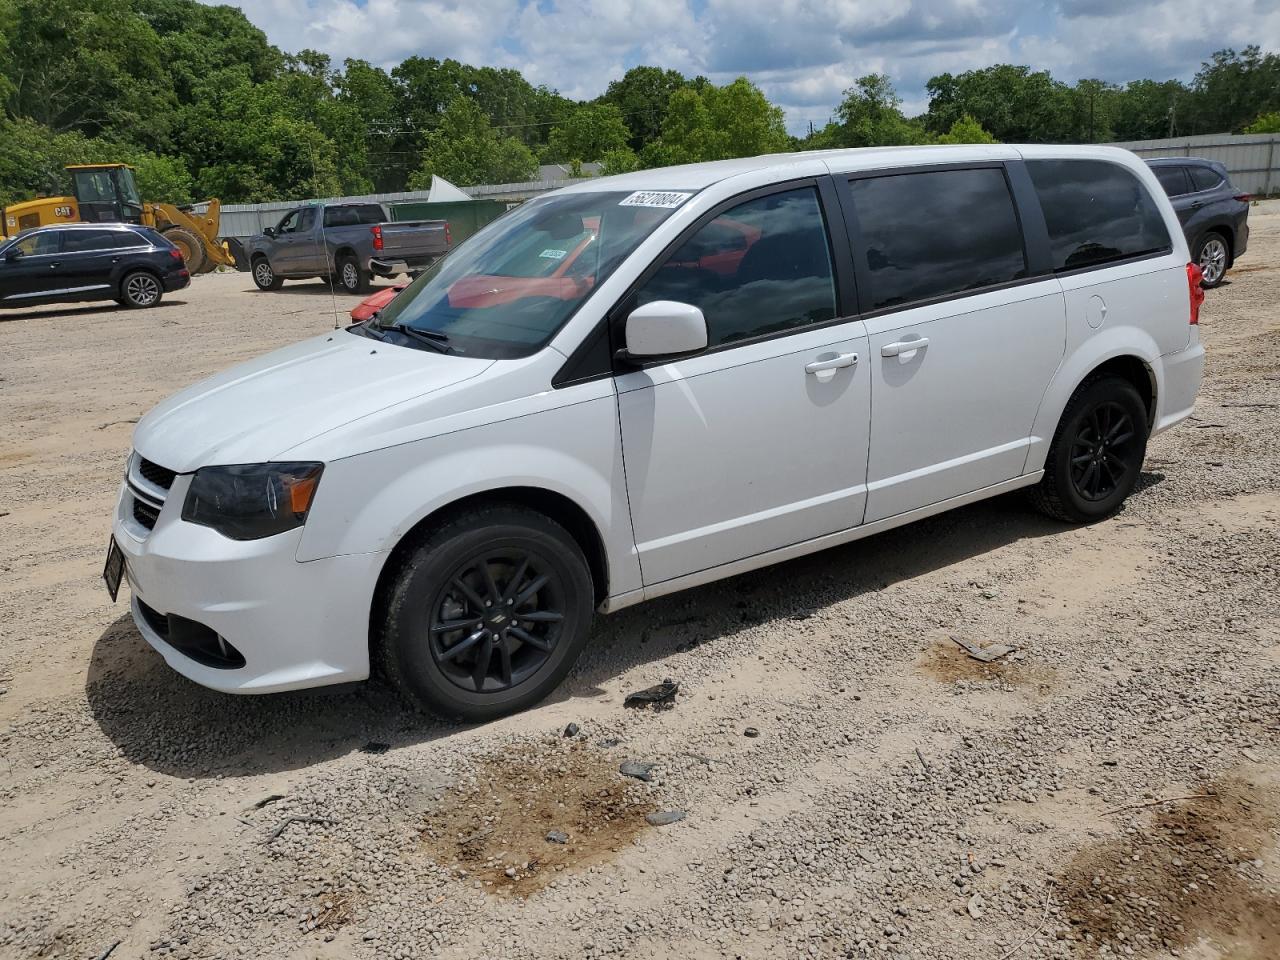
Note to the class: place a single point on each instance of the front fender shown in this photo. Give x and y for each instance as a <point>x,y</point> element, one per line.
<point>367,503</point>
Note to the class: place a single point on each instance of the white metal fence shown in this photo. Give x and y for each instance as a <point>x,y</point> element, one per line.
<point>1252,159</point>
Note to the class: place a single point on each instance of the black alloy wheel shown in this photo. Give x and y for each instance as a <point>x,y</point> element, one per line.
<point>484,613</point>
<point>497,620</point>
<point>1102,454</point>
<point>1096,456</point>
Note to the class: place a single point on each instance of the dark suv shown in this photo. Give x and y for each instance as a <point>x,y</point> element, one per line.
<point>1214,214</point>
<point>132,265</point>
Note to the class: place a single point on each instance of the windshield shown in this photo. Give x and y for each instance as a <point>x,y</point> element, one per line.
<point>507,290</point>
<point>95,186</point>
<point>129,188</point>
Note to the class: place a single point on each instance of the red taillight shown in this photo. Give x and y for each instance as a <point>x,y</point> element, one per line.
<point>1196,291</point>
<point>1243,197</point>
<point>176,254</point>
<point>377,238</point>
<point>448,237</point>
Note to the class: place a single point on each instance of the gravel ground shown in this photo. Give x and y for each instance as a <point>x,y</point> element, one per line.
<point>852,785</point>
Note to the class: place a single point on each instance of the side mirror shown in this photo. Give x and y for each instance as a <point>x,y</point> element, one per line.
<point>12,254</point>
<point>665,328</point>
<point>268,231</point>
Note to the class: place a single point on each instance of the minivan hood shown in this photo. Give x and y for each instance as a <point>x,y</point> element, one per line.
<point>252,412</point>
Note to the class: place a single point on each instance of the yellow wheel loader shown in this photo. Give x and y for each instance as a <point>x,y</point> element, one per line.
<point>107,193</point>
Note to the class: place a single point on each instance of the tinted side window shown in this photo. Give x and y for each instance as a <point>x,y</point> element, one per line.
<point>1204,178</point>
<point>289,223</point>
<point>306,220</point>
<point>122,239</point>
<point>369,213</point>
<point>936,234</point>
<point>1173,179</point>
<point>39,244</point>
<point>1097,212</point>
<point>82,241</point>
<point>760,267</point>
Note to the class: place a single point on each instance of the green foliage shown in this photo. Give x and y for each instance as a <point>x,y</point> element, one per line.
<point>1233,88</point>
<point>1266,123</point>
<point>1150,109</point>
<point>706,122</point>
<point>466,150</point>
<point>641,96</point>
<point>588,133</point>
<point>967,130</point>
<point>870,115</point>
<point>1014,103</point>
<point>622,160</point>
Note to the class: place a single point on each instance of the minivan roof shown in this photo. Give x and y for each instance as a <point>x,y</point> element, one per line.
<point>696,176</point>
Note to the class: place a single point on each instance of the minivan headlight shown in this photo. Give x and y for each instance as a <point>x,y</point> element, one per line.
<point>252,500</point>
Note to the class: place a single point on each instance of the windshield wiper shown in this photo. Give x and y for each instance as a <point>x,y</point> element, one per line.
<point>436,341</point>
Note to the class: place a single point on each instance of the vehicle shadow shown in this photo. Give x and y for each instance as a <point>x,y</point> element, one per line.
<point>53,312</point>
<point>169,724</point>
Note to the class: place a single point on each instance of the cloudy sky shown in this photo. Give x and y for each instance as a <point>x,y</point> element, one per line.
<point>803,53</point>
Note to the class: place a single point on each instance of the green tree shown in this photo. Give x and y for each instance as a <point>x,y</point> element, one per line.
<point>1014,103</point>
<point>1266,123</point>
<point>641,96</point>
<point>588,133</point>
<point>717,123</point>
<point>1232,88</point>
<point>870,115</point>
<point>622,160</point>
<point>966,130</point>
<point>1150,109</point>
<point>466,150</point>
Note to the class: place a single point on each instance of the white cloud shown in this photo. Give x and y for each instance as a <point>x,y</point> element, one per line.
<point>803,53</point>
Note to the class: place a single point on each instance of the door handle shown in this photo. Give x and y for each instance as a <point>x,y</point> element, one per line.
<point>55,265</point>
<point>835,363</point>
<point>903,346</point>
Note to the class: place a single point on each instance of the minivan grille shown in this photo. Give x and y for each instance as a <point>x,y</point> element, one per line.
<point>149,484</point>
<point>145,514</point>
<point>160,476</point>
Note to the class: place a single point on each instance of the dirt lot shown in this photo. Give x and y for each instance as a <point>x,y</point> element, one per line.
<point>892,797</point>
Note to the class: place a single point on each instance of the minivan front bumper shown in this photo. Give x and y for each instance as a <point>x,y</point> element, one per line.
<point>294,624</point>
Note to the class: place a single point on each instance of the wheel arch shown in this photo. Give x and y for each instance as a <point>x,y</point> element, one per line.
<point>1130,354</point>
<point>130,269</point>
<point>1225,228</point>
<point>549,503</point>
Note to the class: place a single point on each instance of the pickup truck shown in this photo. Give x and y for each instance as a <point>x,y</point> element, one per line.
<point>349,241</point>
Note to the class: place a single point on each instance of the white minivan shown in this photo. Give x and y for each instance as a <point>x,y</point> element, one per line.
<point>642,383</point>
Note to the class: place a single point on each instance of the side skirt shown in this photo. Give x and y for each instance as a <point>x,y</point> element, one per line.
<point>813,546</point>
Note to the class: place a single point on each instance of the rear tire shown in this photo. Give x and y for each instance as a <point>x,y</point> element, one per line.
<point>350,277</point>
<point>263,276</point>
<point>1212,254</point>
<point>140,289</point>
<point>485,615</point>
<point>1097,451</point>
<point>192,247</point>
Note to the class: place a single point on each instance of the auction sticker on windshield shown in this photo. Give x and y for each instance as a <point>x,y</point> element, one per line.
<point>664,199</point>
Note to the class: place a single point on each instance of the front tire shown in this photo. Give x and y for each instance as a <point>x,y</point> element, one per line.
<point>486,614</point>
<point>264,277</point>
<point>1097,451</point>
<point>1212,254</point>
<point>140,289</point>
<point>350,277</point>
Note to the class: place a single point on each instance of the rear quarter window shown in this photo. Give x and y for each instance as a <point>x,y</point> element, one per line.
<point>1097,213</point>
<point>1204,178</point>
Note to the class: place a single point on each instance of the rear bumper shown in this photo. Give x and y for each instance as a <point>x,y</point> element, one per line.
<point>394,266</point>
<point>1183,372</point>
<point>1242,239</point>
<point>176,281</point>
